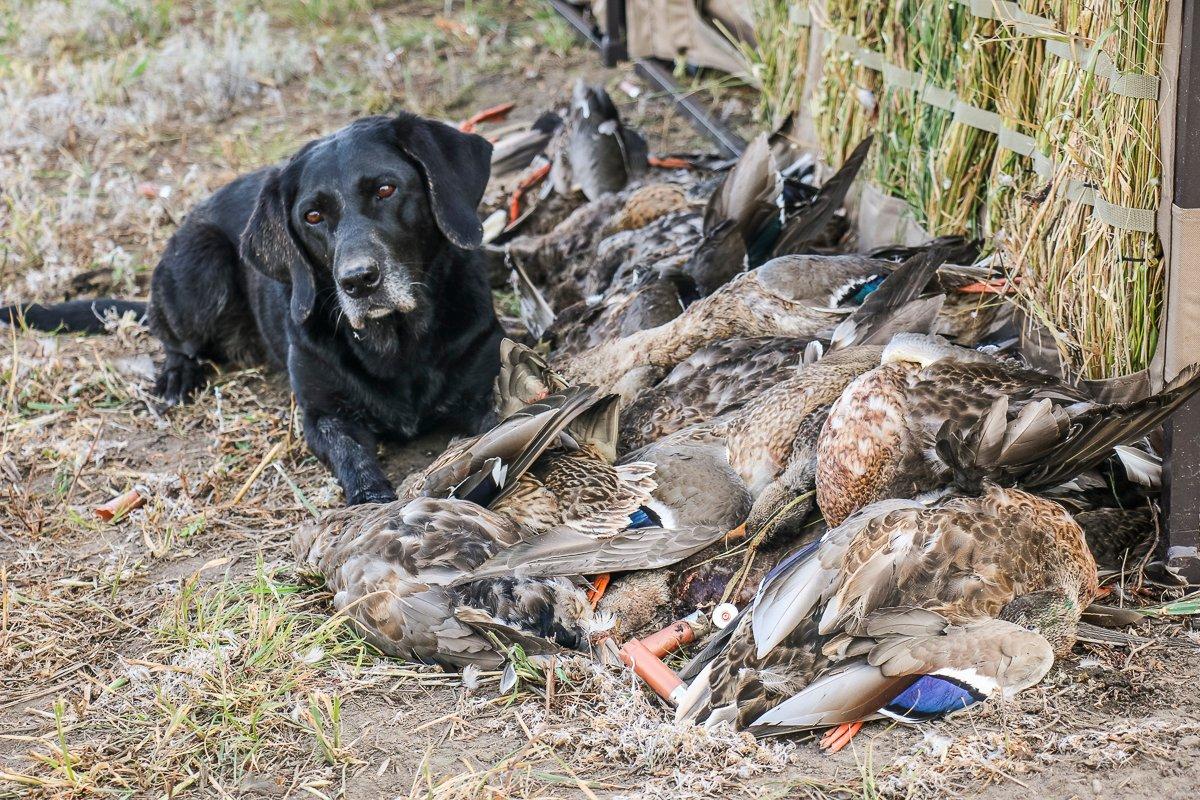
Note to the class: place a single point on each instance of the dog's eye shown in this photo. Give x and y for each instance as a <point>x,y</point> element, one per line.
<point>313,217</point>
<point>385,191</point>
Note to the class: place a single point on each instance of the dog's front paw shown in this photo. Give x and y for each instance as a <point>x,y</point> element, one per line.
<point>378,494</point>
<point>180,378</point>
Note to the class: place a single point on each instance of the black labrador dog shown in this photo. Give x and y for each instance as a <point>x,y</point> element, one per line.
<point>352,266</point>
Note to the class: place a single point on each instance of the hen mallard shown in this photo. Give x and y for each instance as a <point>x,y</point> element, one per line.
<point>392,569</point>
<point>726,374</point>
<point>709,382</point>
<point>933,413</point>
<point>790,296</point>
<point>904,611</point>
<point>488,544</point>
<point>595,152</point>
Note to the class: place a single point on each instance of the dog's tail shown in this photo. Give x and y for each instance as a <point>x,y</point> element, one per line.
<point>77,316</point>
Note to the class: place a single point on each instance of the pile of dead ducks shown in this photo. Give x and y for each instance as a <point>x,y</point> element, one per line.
<point>716,407</point>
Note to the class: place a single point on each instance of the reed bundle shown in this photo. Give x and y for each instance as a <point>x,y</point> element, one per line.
<point>778,58</point>
<point>1097,286</point>
<point>846,96</point>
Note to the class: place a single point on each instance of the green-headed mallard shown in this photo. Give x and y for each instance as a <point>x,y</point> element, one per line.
<point>904,611</point>
<point>932,413</point>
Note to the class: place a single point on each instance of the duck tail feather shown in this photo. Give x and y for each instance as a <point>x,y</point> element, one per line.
<point>697,700</point>
<point>536,313</point>
<point>849,694</point>
<point>599,427</point>
<point>1046,444</point>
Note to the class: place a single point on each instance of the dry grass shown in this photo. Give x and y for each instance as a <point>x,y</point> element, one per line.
<point>175,652</point>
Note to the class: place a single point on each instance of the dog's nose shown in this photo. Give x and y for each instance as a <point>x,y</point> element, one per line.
<point>359,280</point>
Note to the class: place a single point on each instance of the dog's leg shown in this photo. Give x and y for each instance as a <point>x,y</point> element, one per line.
<point>180,377</point>
<point>349,451</point>
<point>198,310</point>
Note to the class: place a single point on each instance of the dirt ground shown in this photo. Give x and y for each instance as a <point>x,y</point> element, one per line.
<point>176,651</point>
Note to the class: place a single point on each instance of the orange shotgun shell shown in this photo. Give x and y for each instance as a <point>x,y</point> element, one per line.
<point>657,675</point>
<point>670,638</point>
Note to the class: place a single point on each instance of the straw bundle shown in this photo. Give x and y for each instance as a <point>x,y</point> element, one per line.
<point>939,30</point>
<point>845,100</point>
<point>961,164</point>
<point>777,60</point>
<point>1012,173</point>
<point>1090,271</point>
<point>1096,286</point>
<point>898,105</point>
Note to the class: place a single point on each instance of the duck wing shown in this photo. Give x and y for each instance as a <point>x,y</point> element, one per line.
<point>749,195</point>
<point>806,225</point>
<point>794,590</point>
<point>895,306</point>
<point>513,445</point>
<point>919,666</point>
<point>567,552</point>
<point>1043,441</point>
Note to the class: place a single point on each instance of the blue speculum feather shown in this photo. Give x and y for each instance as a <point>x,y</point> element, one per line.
<point>932,696</point>
<point>859,296</point>
<point>643,518</point>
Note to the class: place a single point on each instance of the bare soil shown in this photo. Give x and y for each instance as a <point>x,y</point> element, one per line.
<point>176,651</point>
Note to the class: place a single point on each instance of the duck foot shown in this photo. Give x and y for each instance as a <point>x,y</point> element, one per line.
<point>530,181</point>
<point>670,162</point>
<point>837,738</point>
<point>494,113</point>
<point>599,584</point>
<point>736,535</point>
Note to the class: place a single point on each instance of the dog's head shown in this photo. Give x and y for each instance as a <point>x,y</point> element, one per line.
<point>363,212</point>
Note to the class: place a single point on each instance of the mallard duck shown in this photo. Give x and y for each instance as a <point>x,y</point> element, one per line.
<point>726,374</point>
<point>576,262</point>
<point>595,152</point>
<point>662,249</point>
<point>695,499</point>
<point>539,497</point>
<point>904,611</point>
<point>391,568</point>
<point>933,413</point>
<point>654,297</point>
<point>787,296</point>
<point>711,381</point>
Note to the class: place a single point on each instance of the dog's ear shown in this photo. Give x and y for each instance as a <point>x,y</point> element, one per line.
<point>455,167</point>
<point>267,245</point>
